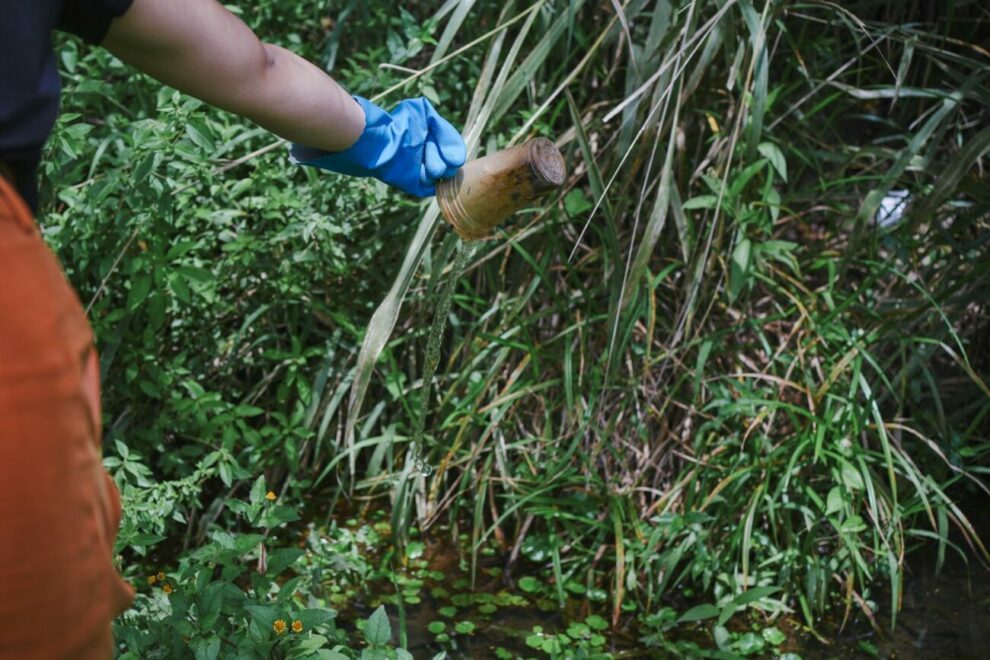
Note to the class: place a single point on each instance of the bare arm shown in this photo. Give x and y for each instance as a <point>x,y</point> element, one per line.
<point>200,48</point>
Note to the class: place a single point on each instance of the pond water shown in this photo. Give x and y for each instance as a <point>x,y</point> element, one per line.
<point>513,607</point>
<point>943,616</point>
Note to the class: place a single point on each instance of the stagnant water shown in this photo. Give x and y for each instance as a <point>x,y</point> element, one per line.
<point>943,616</point>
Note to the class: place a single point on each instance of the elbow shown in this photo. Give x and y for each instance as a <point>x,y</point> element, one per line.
<point>270,57</point>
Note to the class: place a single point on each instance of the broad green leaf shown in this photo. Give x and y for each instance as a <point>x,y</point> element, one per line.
<point>754,594</point>
<point>140,287</point>
<point>772,152</point>
<point>726,613</point>
<point>851,476</point>
<point>699,613</point>
<point>596,622</point>
<point>195,274</point>
<point>313,617</point>
<point>378,630</point>
<point>143,169</point>
<point>750,644</point>
<point>210,601</point>
<point>835,502</point>
<point>529,584</point>
<point>258,492</point>
<point>773,636</point>
<point>206,649</point>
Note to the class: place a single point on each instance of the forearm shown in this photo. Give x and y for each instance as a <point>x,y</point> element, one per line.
<point>299,102</point>
<point>200,48</point>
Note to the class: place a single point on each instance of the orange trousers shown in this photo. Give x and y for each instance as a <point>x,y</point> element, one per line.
<point>59,510</point>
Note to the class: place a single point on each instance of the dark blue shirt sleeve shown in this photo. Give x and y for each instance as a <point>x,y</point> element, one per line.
<point>90,19</point>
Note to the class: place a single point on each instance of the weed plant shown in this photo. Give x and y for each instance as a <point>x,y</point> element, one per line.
<point>713,374</point>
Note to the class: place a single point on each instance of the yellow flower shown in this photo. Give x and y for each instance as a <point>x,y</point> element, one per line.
<point>152,579</point>
<point>167,588</point>
<point>270,496</point>
<point>160,576</point>
<point>279,626</point>
<point>297,626</point>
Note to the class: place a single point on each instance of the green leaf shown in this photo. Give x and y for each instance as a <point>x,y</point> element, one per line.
<point>180,287</point>
<point>196,131</point>
<point>596,622</point>
<point>225,474</point>
<point>835,501</point>
<point>851,477</point>
<point>156,311</point>
<point>144,540</point>
<point>279,515</point>
<point>699,613</point>
<point>378,630</point>
<point>258,490</point>
<point>721,635</point>
<point>314,617</point>
<point>415,549</point>
<point>206,649</point>
<point>530,584</point>
<point>464,628</point>
<point>248,411</point>
<point>754,594</point>
<point>210,602</point>
<point>194,274</point>
<point>576,202</point>
<point>140,287</point>
<point>739,269</point>
<point>281,559</point>
<point>750,644</point>
<point>263,615</point>
<point>852,524</point>
<point>579,630</point>
<point>773,153</point>
<point>773,636</point>
<point>143,169</point>
<point>700,202</point>
<point>727,611</point>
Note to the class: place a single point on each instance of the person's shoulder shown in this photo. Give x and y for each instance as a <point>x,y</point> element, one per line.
<point>90,19</point>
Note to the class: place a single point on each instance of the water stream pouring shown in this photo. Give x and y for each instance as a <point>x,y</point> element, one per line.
<point>488,190</point>
<point>481,195</point>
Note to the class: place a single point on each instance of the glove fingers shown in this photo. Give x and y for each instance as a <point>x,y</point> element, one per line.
<point>434,164</point>
<point>449,141</point>
<point>427,184</point>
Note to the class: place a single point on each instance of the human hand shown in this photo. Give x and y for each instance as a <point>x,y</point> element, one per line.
<point>410,148</point>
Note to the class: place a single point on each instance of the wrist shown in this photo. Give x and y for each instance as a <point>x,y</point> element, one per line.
<point>353,120</point>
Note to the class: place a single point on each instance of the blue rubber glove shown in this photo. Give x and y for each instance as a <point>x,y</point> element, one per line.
<point>410,148</point>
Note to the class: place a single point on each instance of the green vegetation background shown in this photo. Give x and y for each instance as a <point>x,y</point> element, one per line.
<point>703,376</point>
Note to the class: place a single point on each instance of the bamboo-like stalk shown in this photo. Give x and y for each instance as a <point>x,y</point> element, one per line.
<point>488,190</point>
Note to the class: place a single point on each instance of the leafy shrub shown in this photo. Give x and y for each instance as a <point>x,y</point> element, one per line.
<point>704,370</point>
